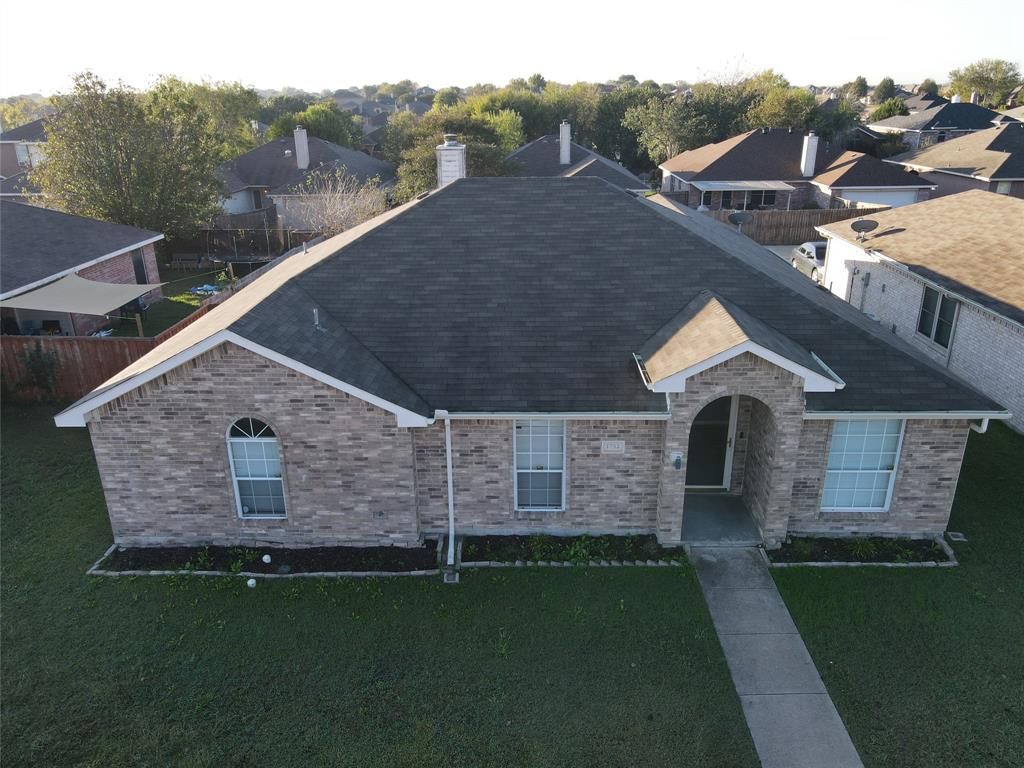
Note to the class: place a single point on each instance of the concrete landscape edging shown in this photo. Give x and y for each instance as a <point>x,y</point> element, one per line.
<point>951,563</point>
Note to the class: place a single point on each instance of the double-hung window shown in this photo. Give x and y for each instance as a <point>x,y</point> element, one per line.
<point>540,465</point>
<point>938,314</point>
<point>762,197</point>
<point>862,460</point>
<point>256,469</point>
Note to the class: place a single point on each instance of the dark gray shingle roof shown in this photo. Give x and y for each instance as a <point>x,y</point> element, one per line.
<point>542,158</point>
<point>33,132</point>
<point>532,295</point>
<point>954,117</point>
<point>268,166</point>
<point>38,242</point>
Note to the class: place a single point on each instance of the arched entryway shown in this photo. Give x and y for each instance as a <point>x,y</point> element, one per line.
<point>723,490</point>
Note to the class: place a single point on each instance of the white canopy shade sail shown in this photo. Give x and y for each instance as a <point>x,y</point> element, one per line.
<point>72,293</point>
<point>741,186</point>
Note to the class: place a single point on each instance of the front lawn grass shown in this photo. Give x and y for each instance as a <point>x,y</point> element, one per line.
<point>553,667</point>
<point>926,666</point>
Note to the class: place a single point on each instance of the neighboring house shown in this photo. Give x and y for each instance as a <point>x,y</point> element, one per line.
<point>774,168</point>
<point>275,173</point>
<point>939,123</point>
<point>425,91</point>
<point>22,148</point>
<point>418,108</point>
<point>41,246</point>
<point>919,102</point>
<point>527,355</point>
<point>18,188</point>
<point>349,100</point>
<point>559,155</point>
<point>992,159</point>
<point>947,275</point>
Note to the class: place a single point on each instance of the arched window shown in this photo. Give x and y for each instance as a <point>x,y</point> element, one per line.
<point>256,469</point>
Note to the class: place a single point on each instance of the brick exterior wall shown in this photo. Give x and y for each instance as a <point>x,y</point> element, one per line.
<point>605,492</point>
<point>987,350</point>
<point>352,476</point>
<point>117,270</point>
<point>163,459</point>
<point>926,478</point>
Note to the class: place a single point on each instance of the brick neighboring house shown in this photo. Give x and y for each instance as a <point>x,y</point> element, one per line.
<point>992,159</point>
<point>947,276</point>
<point>779,169</point>
<point>559,156</point>
<point>940,123</point>
<point>40,246</point>
<point>518,355</point>
<point>22,148</point>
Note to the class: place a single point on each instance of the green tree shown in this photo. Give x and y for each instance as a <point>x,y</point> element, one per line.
<point>147,160</point>
<point>537,119</point>
<point>274,107</point>
<point>929,87</point>
<point>447,97</point>
<point>230,107</point>
<point>611,137</point>
<point>322,120</point>
<point>782,108</point>
<point>857,89</point>
<point>399,136</point>
<point>833,119</point>
<point>992,79</point>
<point>576,103</point>
<point>656,127</point>
<point>889,108</point>
<point>537,82</point>
<point>18,110</point>
<point>484,156</point>
<point>885,90</point>
<point>480,89</point>
<point>627,81</point>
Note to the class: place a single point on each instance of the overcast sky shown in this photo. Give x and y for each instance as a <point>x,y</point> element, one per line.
<point>313,46</point>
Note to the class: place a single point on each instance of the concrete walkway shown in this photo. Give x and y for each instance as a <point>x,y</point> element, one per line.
<point>791,717</point>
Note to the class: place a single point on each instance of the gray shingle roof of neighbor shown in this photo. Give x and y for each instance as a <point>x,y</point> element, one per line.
<point>963,116</point>
<point>996,153</point>
<point>499,295</point>
<point>541,158</point>
<point>17,185</point>
<point>268,166</point>
<point>855,169</point>
<point>38,243</point>
<point>33,132</point>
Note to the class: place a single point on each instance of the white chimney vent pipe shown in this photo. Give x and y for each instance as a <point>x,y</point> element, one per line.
<point>809,155</point>
<point>301,148</point>
<point>565,143</point>
<point>451,160</point>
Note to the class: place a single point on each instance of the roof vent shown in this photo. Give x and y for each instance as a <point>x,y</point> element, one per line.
<point>287,153</point>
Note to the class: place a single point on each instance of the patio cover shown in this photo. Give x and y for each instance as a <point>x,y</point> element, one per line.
<point>740,186</point>
<point>72,293</point>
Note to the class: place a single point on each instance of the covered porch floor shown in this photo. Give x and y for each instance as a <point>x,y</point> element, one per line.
<point>716,518</point>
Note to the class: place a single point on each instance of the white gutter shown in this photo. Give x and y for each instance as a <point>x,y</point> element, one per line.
<point>570,416</point>
<point>860,415</point>
<point>451,484</point>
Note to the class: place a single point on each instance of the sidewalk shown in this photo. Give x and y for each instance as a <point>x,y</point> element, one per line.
<point>791,717</point>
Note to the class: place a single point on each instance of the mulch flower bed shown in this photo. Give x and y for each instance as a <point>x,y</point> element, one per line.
<point>858,550</point>
<point>282,561</point>
<point>575,549</point>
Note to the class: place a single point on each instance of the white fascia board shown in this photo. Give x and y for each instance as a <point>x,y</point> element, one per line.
<point>75,416</point>
<point>567,416</point>
<point>24,288</point>
<point>932,415</point>
<point>813,380</point>
<point>889,187</point>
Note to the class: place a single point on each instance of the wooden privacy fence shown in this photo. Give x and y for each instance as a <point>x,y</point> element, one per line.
<point>792,227</point>
<point>35,368</point>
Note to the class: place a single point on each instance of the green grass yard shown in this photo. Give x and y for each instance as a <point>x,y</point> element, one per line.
<point>926,666</point>
<point>542,668</point>
<point>177,303</point>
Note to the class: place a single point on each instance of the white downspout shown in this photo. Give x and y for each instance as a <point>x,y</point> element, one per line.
<point>451,485</point>
<point>983,428</point>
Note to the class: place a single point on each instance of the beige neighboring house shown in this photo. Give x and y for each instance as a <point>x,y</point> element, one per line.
<point>946,275</point>
<point>992,159</point>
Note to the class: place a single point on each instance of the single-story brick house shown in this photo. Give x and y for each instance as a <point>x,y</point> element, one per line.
<point>947,275</point>
<point>41,246</point>
<point>516,355</point>
<point>781,169</point>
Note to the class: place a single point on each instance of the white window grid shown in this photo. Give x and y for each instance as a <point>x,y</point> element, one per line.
<point>862,462</point>
<point>934,317</point>
<point>256,472</point>
<point>539,447</point>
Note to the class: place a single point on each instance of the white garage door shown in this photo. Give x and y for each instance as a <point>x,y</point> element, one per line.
<point>893,197</point>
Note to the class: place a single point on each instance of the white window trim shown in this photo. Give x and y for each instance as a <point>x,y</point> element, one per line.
<point>234,478</point>
<point>564,470</point>
<point>892,476</point>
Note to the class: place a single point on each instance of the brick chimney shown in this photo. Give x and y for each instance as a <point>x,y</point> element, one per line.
<point>451,161</point>
<point>301,148</point>
<point>565,143</point>
<point>809,155</point>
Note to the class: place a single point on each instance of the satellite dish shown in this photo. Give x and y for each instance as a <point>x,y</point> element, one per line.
<point>739,218</point>
<point>863,226</point>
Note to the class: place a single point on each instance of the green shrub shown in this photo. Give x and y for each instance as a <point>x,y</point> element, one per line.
<point>863,549</point>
